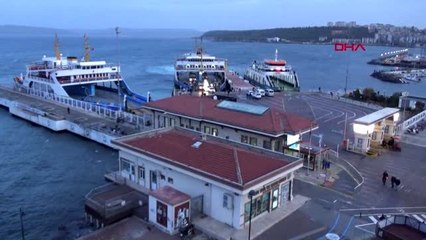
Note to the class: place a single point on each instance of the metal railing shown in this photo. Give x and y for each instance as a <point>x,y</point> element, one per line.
<point>381,225</point>
<point>140,121</point>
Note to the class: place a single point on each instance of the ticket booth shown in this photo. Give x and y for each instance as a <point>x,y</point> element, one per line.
<point>168,208</point>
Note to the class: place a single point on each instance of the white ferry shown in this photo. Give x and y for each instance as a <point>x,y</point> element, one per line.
<point>200,73</point>
<point>91,81</point>
<point>273,74</point>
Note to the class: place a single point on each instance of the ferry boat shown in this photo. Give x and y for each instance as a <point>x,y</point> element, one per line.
<point>91,81</point>
<point>273,74</point>
<point>200,73</point>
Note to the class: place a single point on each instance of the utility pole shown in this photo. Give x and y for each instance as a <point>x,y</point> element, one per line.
<point>118,70</point>
<point>309,150</point>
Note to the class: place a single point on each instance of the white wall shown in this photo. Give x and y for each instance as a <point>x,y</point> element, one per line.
<point>195,185</point>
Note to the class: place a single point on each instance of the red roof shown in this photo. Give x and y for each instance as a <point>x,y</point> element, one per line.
<point>272,121</point>
<point>170,195</point>
<point>230,164</point>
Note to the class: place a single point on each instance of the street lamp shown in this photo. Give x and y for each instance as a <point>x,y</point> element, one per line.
<point>251,194</point>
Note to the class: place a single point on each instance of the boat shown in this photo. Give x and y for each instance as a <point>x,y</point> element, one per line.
<point>91,81</point>
<point>200,73</point>
<point>273,74</point>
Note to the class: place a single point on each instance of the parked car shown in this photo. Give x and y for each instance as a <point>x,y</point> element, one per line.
<point>256,94</point>
<point>269,92</point>
<point>261,91</point>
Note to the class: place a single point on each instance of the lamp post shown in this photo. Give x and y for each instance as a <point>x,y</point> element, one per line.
<point>251,194</point>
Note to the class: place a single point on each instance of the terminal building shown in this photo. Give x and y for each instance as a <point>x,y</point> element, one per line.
<point>373,128</point>
<point>255,125</point>
<point>188,174</point>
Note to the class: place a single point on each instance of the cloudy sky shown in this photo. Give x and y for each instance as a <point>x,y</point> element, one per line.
<point>206,15</point>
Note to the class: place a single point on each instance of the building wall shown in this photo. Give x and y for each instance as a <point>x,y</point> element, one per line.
<point>194,185</point>
<point>163,120</point>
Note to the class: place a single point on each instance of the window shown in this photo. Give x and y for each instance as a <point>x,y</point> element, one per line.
<point>387,129</point>
<point>374,136</point>
<point>125,165</point>
<point>359,143</point>
<point>207,129</point>
<point>162,177</point>
<point>227,201</point>
<point>244,139</point>
<point>141,173</point>
<point>253,141</point>
<point>215,131</point>
<point>170,180</point>
<point>266,144</point>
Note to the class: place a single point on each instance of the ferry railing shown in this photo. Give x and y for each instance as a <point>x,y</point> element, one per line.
<point>140,121</point>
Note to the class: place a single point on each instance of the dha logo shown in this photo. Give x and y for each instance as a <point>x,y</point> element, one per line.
<point>342,47</point>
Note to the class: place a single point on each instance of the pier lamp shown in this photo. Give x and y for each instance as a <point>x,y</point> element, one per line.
<point>251,194</point>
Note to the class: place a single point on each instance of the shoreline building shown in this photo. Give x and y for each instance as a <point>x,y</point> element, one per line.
<point>189,175</point>
<point>254,125</point>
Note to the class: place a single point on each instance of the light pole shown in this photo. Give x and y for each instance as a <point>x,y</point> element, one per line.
<point>21,214</point>
<point>251,194</point>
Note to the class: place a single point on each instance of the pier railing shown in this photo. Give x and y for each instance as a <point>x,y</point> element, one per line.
<point>140,121</point>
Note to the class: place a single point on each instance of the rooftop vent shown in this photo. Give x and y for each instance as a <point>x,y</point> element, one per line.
<point>197,144</point>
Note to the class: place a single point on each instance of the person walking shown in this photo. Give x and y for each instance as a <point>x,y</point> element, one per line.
<point>68,110</point>
<point>393,181</point>
<point>385,177</point>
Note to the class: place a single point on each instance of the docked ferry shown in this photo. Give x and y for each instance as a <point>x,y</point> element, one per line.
<point>273,74</point>
<point>200,73</point>
<point>91,81</point>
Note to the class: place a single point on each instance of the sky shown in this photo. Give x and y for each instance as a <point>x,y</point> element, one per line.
<point>204,15</point>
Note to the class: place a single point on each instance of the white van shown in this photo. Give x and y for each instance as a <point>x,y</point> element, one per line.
<point>269,92</point>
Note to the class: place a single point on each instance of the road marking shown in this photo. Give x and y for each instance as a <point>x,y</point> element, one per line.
<point>424,216</point>
<point>417,217</point>
<point>373,219</point>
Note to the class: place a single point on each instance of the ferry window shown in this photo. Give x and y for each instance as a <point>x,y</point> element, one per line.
<point>162,177</point>
<point>253,141</point>
<point>207,129</point>
<point>215,131</point>
<point>141,173</point>
<point>244,139</point>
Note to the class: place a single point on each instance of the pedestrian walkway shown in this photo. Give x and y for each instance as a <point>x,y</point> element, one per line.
<point>221,231</point>
<point>334,178</point>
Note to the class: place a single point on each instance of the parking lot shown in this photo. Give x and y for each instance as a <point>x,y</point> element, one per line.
<point>329,113</point>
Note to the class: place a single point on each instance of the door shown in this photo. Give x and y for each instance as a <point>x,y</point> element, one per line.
<point>162,214</point>
<point>275,198</point>
<point>153,180</point>
<point>285,191</point>
<point>141,174</point>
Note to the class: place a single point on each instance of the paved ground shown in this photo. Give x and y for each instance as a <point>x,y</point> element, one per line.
<point>373,199</point>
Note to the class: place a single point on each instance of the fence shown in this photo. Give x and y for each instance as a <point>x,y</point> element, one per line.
<point>410,222</point>
<point>140,121</point>
<point>413,120</point>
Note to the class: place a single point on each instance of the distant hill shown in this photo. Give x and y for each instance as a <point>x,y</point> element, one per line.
<point>298,34</point>
<point>27,31</point>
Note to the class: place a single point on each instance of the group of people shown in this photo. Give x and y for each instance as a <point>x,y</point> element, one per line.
<point>395,182</point>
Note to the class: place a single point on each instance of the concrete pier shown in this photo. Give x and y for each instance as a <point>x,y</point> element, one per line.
<point>58,113</point>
